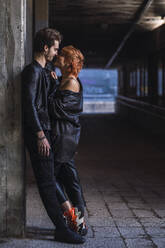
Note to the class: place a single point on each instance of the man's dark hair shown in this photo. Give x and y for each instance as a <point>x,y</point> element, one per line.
<point>46,36</point>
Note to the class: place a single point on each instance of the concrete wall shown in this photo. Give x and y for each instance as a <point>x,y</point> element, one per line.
<point>12,59</point>
<point>29,31</point>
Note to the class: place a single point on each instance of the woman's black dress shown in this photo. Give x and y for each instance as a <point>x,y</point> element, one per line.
<point>65,107</point>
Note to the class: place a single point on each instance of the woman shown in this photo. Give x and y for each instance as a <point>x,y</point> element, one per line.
<point>65,107</point>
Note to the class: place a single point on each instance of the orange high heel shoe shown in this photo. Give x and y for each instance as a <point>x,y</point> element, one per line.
<point>73,220</point>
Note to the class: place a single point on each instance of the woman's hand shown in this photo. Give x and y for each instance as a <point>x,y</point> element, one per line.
<point>53,74</point>
<point>44,147</point>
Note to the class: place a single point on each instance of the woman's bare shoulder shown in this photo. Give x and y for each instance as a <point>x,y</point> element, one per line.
<point>71,84</point>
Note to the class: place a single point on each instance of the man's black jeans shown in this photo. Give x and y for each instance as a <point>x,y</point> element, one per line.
<point>43,168</point>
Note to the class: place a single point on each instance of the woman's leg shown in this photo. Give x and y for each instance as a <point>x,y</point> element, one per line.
<point>69,212</point>
<point>68,177</point>
<point>63,200</point>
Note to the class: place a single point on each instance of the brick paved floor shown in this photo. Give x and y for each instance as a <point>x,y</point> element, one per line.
<point>123,176</point>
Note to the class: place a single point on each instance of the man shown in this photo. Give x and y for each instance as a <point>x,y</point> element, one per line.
<point>37,128</point>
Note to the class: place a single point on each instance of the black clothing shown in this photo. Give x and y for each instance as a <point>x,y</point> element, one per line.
<point>43,168</point>
<point>53,83</point>
<point>35,87</point>
<point>67,177</point>
<point>61,196</point>
<point>34,98</point>
<point>68,236</point>
<point>65,107</point>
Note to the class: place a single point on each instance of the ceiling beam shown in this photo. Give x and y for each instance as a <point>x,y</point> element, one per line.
<point>138,16</point>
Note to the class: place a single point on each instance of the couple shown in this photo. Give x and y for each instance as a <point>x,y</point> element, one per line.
<point>51,109</point>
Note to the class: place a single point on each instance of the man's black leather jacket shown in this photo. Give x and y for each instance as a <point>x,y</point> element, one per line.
<point>35,87</point>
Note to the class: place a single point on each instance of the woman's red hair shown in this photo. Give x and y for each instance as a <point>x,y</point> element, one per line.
<point>74,58</point>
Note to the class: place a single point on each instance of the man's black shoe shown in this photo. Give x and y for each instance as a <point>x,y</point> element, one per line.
<point>68,236</point>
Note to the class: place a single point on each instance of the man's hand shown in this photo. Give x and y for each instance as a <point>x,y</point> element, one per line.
<point>43,144</point>
<point>43,147</point>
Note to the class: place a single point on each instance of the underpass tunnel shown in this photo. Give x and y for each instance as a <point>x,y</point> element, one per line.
<point>120,157</point>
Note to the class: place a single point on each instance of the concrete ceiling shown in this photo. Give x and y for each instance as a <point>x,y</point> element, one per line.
<point>97,25</point>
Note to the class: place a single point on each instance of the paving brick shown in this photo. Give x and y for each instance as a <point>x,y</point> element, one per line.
<point>110,199</point>
<point>103,243</point>
<point>130,193</point>
<point>111,189</point>
<point>139,243</point>
<point>106,187</point>
<point>93,198</point>
<point>156,231</point>
<point>127,222</point>
<point>143,213</point>
<point>121,213</point>
<point>160,242</point>
<point>152,222</point>
<point>133,199</point>
<point>118,205</point>
<point>132,232</point>
<point>90,243</point>
<point>157,205</point>
<point>98,212</point>
<point>110,194</point>
<point>96,205</point>
<point>154,200</point>
<point>106,232</point>
<point>148,194</point>
<point>123,189</point>
<point>160,213</point>
<point>101,221</point>
<point>139,205</point>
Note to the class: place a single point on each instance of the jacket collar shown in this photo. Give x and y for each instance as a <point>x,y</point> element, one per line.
<point>38,64</point>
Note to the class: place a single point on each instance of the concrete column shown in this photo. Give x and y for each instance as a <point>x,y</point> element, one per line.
<point>12,60</point>
<point>41,14</point>
<point>29,31</point>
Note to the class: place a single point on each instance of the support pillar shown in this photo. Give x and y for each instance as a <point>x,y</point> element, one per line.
<point>12,60</point>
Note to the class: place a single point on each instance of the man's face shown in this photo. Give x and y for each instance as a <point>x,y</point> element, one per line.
<point>51,52</point>
<point>60,61</point>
